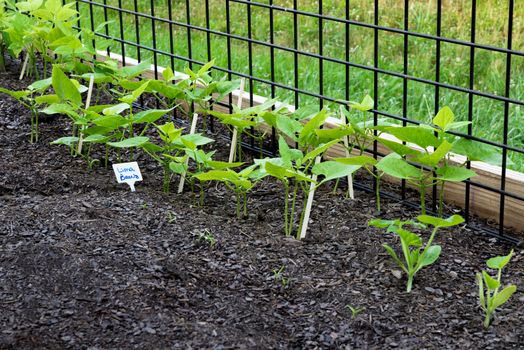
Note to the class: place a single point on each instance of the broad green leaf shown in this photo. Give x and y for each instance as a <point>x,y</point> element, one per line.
<point>150,116</point>
<point>453,220</point>
<point>430,256</point>
<point>457,125</point>
<point>326,135</point>
<point>197,139</point>
<point>366,104</point>
<point>444,117</point>
<point>318,151</point>
<point>417,135</point>
<point>111,121</point>
<point>454,173</point>
<point>436,156</point>
<point>499,262</point>
<point>398,147</point>
<point>41,84</point>
<point>408,237</point>
<point>64,88</point>
<point>357,160</point>
<point>206,67</point>
<point>218,165</point>
<point>395,257</point>
<point>333,170</point>
<point>133,71</point>
<point>96,138</point>
<point>47,99</point>
<point>312,124</point>
<point>503,296</point>
<point>288,154</point>
<point>290,127</point>
<point>276,171</point>
<point>380,223</point>
<point>60,108</point>
<point>116,109</point>
<point>394,165</point>
<point>168,74</point>
<point>130,142</point>
<point>478,151</point>
<point>491,283</point>
<point>177,168</point>
<point>68,141</point>
<point>217,175</point>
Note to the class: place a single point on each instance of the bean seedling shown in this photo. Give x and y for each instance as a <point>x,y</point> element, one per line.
<point>415,257</point>
<point>490,295</point>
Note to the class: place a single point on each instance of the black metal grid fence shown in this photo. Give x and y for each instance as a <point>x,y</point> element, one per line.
<point>151,29</point>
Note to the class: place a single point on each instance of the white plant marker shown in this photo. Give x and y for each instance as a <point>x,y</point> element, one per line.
<point>309,203</point>
<point>128,173</point>
<point>346,146</point>
<point>183,175</point>
<point>24,67</point>
<point>88,103</point>
<point>232,151</point>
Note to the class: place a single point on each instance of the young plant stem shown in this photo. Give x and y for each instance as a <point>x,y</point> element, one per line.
<point>441,200</point>
<point>293,207</point>
<point>286,205</point>
<point>377,191</point>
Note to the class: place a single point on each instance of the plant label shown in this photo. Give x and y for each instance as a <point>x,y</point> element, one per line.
<point>128,173</point>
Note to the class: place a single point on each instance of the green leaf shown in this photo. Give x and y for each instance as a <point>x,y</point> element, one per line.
<point>326,135</point>
<point>436,156</point>
<point>177,168</point>
<point>439,222</point>
<point>366,104</point>
<point>197,139</point>
<point>417,135</point>
<point>482,298</point>
<point>168,74</point>
<point>64,88</point>
<point>408,238</point>
<point>395,257</point>
<point>319,151</point>
<point>491,283</point>
<point>478,151</point>
<point>503,296</point>
<point>276,171</point>
<point>333,170</point>
<point>111,121</point>
<point>218,165</point>
<point>95,138</point>
<point>430,256</point>
<point>116,109</point>
<point>312,124</point>
<point>394,165</point>
<point>444,117</point>
<point>68,141</point>
<point>130,142</point>
<point>398,147</point>
<point>499,262</point>
<point>288,126</point>
<point>150,116</point>
<point>357,160</point>
<point>454,173</point>
<point>380,223</point>
<point>288,154</point>
<point>133,71</point>
<point>41,84</point>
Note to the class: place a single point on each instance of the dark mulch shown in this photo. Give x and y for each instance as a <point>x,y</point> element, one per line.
<point>84,263</point>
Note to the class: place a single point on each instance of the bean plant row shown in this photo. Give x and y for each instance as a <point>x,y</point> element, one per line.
<point>422,155</point>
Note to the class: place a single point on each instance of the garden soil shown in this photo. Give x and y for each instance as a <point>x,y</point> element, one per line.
<point>86,264</point>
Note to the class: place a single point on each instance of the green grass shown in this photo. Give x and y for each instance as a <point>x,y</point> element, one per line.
<point>490,67</point>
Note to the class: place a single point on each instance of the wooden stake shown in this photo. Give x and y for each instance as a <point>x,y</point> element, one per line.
<point>346,146</point>
<point>232,151</point>
<point>88,103</point>
<point>183,175</point>
<point>24,66</point>
<point>309,203</point>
